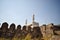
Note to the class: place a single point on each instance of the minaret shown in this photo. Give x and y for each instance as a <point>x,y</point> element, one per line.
<point>26,22</point>
<point>33,18</point>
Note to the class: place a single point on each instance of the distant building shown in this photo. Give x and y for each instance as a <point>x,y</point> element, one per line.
<point>33,24</point>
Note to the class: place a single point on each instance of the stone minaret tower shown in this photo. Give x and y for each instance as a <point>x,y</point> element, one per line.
<point>26,22</point>
<point>33,18</point>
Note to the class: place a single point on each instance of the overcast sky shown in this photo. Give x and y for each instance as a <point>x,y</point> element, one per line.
<point>17,11</point>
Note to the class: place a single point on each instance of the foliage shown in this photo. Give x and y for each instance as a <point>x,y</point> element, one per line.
<point>28,37</point>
